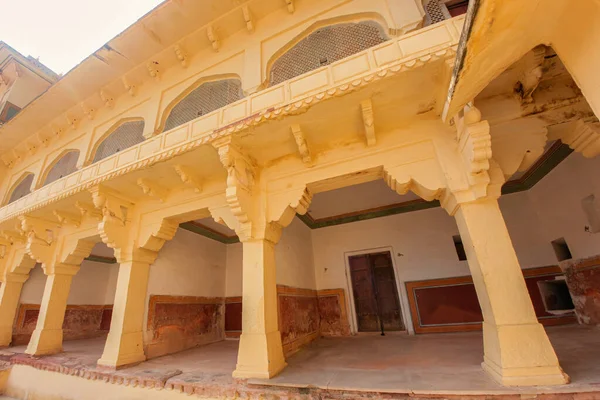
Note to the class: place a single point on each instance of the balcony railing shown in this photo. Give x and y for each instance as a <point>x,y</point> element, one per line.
<point>393,56</point>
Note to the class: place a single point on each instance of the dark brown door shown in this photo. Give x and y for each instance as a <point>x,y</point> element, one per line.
<point>375,293</point>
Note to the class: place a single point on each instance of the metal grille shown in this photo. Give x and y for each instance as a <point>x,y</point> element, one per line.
<point>208,97</point>
<point>436,12</point>
<point>22,189</point>
<point>126,135</point>
<point>63,167</point>
<point>325,46</point>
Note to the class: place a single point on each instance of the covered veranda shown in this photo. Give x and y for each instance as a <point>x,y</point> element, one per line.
<point>362,366</point>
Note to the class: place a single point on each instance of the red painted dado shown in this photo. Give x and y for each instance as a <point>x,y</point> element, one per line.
<point>81,322</point>
<point>177,323</point>
<point>304,315</point>
<point>451,305</point>
<point>583,280</point>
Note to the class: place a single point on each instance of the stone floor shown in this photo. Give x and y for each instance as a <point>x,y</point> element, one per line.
<point>410,365</point>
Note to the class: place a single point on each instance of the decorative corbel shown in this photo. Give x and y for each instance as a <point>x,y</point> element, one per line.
<point>88,210</point>
<point>107,98</point>
<point>301,144</point>
<point>129,87</point>
<point>531,76</point>
<point>584,138</point>
<point>32,146</point>
<point>241,175</point>
<point>181,55</point>
<point>71,256</point>
<point>189,177</point>
<point>153,70</point>
<point>89,112</point>
<point>57,131</point>
<point>474,144</point>
<point>8,160</point>
<point>114,209</point>
<point>290,6</point>
<point>41,241</point>
<point>67,218</point>
<point>154,235</point>
<point>368,121</point>
<point>12,237</point>
<point>41,139</point>
<point>213,38</point>
<point>248,18</point>
<point>152,189</point>
<point>72,121</point>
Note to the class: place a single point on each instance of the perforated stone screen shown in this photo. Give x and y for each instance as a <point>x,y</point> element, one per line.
<point>208,97</point>
<point>324,46</point>
<point>126,135</point>
<point>22,189</point>
<point>63,167</point>
<point>435,12</point>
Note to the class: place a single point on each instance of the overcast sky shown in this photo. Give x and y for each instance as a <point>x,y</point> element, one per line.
<point>64,32</point>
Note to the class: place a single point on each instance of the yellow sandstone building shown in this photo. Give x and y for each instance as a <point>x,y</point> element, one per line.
<point>307,199</point>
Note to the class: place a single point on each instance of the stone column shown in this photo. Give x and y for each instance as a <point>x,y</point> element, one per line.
<point>517,351</point>
<point>260,353</point>
<point>10,292</point>
<point>47,337</point>
<point>125,342</point>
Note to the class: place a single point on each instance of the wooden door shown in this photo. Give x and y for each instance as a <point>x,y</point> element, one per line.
<point>375,293</point>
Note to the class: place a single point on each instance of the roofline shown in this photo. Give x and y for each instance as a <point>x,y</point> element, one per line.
<point>461,53</point>
<point>85,60</point>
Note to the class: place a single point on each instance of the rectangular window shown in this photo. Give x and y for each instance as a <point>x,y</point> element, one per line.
<point>561,249</point>
<point>460,248</point>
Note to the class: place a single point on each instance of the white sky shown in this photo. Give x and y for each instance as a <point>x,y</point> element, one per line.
<point>64,32</point>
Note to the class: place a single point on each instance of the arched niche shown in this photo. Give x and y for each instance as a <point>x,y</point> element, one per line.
<point>63,165</point>
<point>201,98</point>
<point>323,44</point>
<point>21,188</point>
<point>122,135</point>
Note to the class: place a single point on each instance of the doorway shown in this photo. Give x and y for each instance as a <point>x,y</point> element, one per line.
<point>375,293</point>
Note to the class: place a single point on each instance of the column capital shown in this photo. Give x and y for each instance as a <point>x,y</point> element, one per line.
<point>259,214</point>
<point>584,138</point>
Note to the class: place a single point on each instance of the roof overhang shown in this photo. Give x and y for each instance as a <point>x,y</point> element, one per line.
<point>497,33</point>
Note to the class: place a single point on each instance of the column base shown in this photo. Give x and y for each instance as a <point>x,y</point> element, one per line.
<point>45,342</point>
<point>259,356</point>
<point>125,351</point>
<point>521,355</point>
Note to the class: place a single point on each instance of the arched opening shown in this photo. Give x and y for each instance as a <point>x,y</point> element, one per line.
<point>22,188</point>
<point>62,166</point>
<point>125,135</point>
<point>204,99</point>
<point>325,46</point>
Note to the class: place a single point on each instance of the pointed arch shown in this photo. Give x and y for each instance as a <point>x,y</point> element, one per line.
<point>203,97</point>
<point>63,165</point>
<point>21,188</point>
<point>122,135</point>
<point>324,43</point>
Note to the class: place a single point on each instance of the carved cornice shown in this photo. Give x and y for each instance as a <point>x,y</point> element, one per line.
<point>293,107</point>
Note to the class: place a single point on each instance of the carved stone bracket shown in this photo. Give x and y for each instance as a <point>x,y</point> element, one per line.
<point>474,144</point>
<point>584,138</point>
<point>66,218</point>
<point>301,144</point>
<point>153,189</point>
<point>41,240</point>
<point>113,227</point>
<point>368,121</point>
<point>241,174</point>
<point>188,177</point>
<point>88,210</point>
<point>153,236</point>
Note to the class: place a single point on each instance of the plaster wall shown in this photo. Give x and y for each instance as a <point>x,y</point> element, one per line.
<point>293,257</point>
<point>189,265</point>
<point>557,200</point>
<point>95,283</point>
<point>421,242</point>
